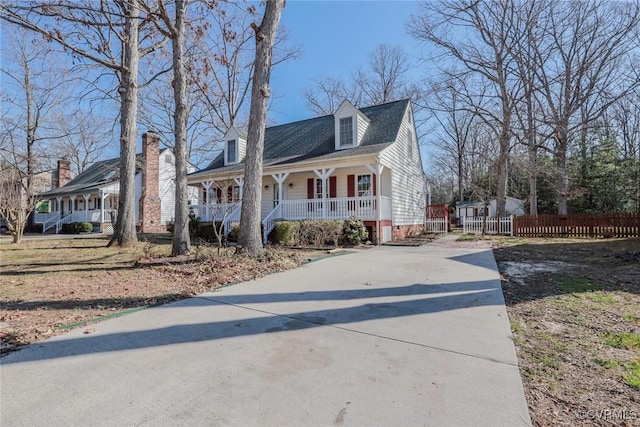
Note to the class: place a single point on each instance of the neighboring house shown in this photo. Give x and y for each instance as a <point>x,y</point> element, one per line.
<point>475,209</point>
<point>92,196</point>
<point>357,162</point>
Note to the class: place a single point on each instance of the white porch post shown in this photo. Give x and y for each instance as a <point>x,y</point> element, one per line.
<point>103,197</point>
<point>73,201</point>
<point>279,178</point>
<point>86,206</point>
<point>377,170</point>
<point>240,182</point>
<point>324,174</point>
<point>59,205</point>
<point>207,186</point>
<point>207,200</point>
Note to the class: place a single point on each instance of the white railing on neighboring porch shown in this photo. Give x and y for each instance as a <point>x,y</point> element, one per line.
<point>270,221</point>
<point>234,216</point>
<point>492,225</point>
<point>48,223</point>
<point>335,208</point>
<point>437,225</point>
<point>93,216</point>
<point>215,211</point>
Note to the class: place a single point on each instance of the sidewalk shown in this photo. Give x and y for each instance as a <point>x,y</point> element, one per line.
<point>385,336</point>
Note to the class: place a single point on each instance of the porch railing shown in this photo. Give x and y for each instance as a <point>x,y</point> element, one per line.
<point>234,216</point>
<point>335,208</point>
<point>270,221</point>
<point>49,222</point>
<point>214,211</point>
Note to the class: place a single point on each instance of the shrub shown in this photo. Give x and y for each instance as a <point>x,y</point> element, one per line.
<point>354,231</point>
<point>69,228</point>
<point>288,233</point>
<point>320,232</point>
<point>84,227</point>
<point>194,224</point>
<point>233,233</point>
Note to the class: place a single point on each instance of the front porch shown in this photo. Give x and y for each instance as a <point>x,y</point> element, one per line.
<point>361,191</point>
<point>99,209</point>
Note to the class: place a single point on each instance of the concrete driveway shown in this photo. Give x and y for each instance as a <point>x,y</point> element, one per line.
<point>385,336</point>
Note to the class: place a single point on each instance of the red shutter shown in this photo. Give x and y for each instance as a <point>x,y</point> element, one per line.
<point>351,185</point>
<point>332,192</point>
<point>310,192</point>
<point>218,195</point>
<point>311,188</point>
<point>332,187</point>
<point>373,179</point>
<point>229,194</point>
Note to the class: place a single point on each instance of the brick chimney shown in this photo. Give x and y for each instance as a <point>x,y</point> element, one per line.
<point>150,191</point>
<point>63,173</point>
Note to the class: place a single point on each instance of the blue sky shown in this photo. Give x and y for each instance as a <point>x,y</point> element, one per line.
<point>336,37</point>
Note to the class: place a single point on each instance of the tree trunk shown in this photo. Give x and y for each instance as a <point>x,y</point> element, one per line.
<point>460,176</point>
<point>125,229</point>
<point>250,238</point>
<point>503,170</point>
<point>181,241</point>
<point>533,180</point>
<point>561,168</point>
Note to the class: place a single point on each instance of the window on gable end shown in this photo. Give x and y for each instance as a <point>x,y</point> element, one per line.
<point>346,131</point>
<point>231,151</point>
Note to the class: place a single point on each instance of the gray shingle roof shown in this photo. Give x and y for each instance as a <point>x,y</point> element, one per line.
<point>315,139</point>
<point>97,175</point>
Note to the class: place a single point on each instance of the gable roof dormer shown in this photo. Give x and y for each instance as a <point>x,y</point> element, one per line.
<point>235,146</point>
<point>350,126</point>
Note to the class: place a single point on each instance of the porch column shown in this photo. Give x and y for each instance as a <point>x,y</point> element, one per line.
<point>207,185</point>
<point>324,174</point>
<point>73,201</point>
<point>240,182</point>
<point>59,206</point>
<point>279,178</point>
<point>377,170</point>
<point>103,196</point>
<point>86,206</point>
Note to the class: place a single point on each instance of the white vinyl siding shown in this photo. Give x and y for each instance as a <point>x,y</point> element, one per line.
<point>362,127</point>
<point>408,184</point>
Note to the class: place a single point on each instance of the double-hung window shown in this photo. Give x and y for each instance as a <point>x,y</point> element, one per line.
<point>231,151</point>
<point>346,132</point>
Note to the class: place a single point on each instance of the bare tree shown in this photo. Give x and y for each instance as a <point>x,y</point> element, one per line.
<point>250,239</point>
<point>326,95</point>
<point>84,140</point>
<point>108,34</point>
<point>29,98</point>
<point>583,65</point>
<point>484,69</point>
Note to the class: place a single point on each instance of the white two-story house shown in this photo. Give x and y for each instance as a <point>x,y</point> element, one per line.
<point>363,162</point>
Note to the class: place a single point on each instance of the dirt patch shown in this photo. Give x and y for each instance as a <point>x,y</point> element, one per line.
<point>48,287</point>
<point>574,308</point>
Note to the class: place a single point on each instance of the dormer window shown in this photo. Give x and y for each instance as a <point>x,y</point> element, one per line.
<point>346,132</point>
<point>350,126</point>
<point>232,151</point>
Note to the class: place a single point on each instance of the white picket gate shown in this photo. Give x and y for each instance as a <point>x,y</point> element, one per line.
<point>473,225</point>
<point>436,225</point>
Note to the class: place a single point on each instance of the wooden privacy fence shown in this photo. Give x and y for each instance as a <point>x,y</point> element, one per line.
<point>578,225</point>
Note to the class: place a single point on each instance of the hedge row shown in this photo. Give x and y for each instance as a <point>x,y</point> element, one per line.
<point>77,228</point>
<point>320,232</point>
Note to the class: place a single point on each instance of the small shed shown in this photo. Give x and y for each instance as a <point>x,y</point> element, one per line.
<point>477,209</point>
